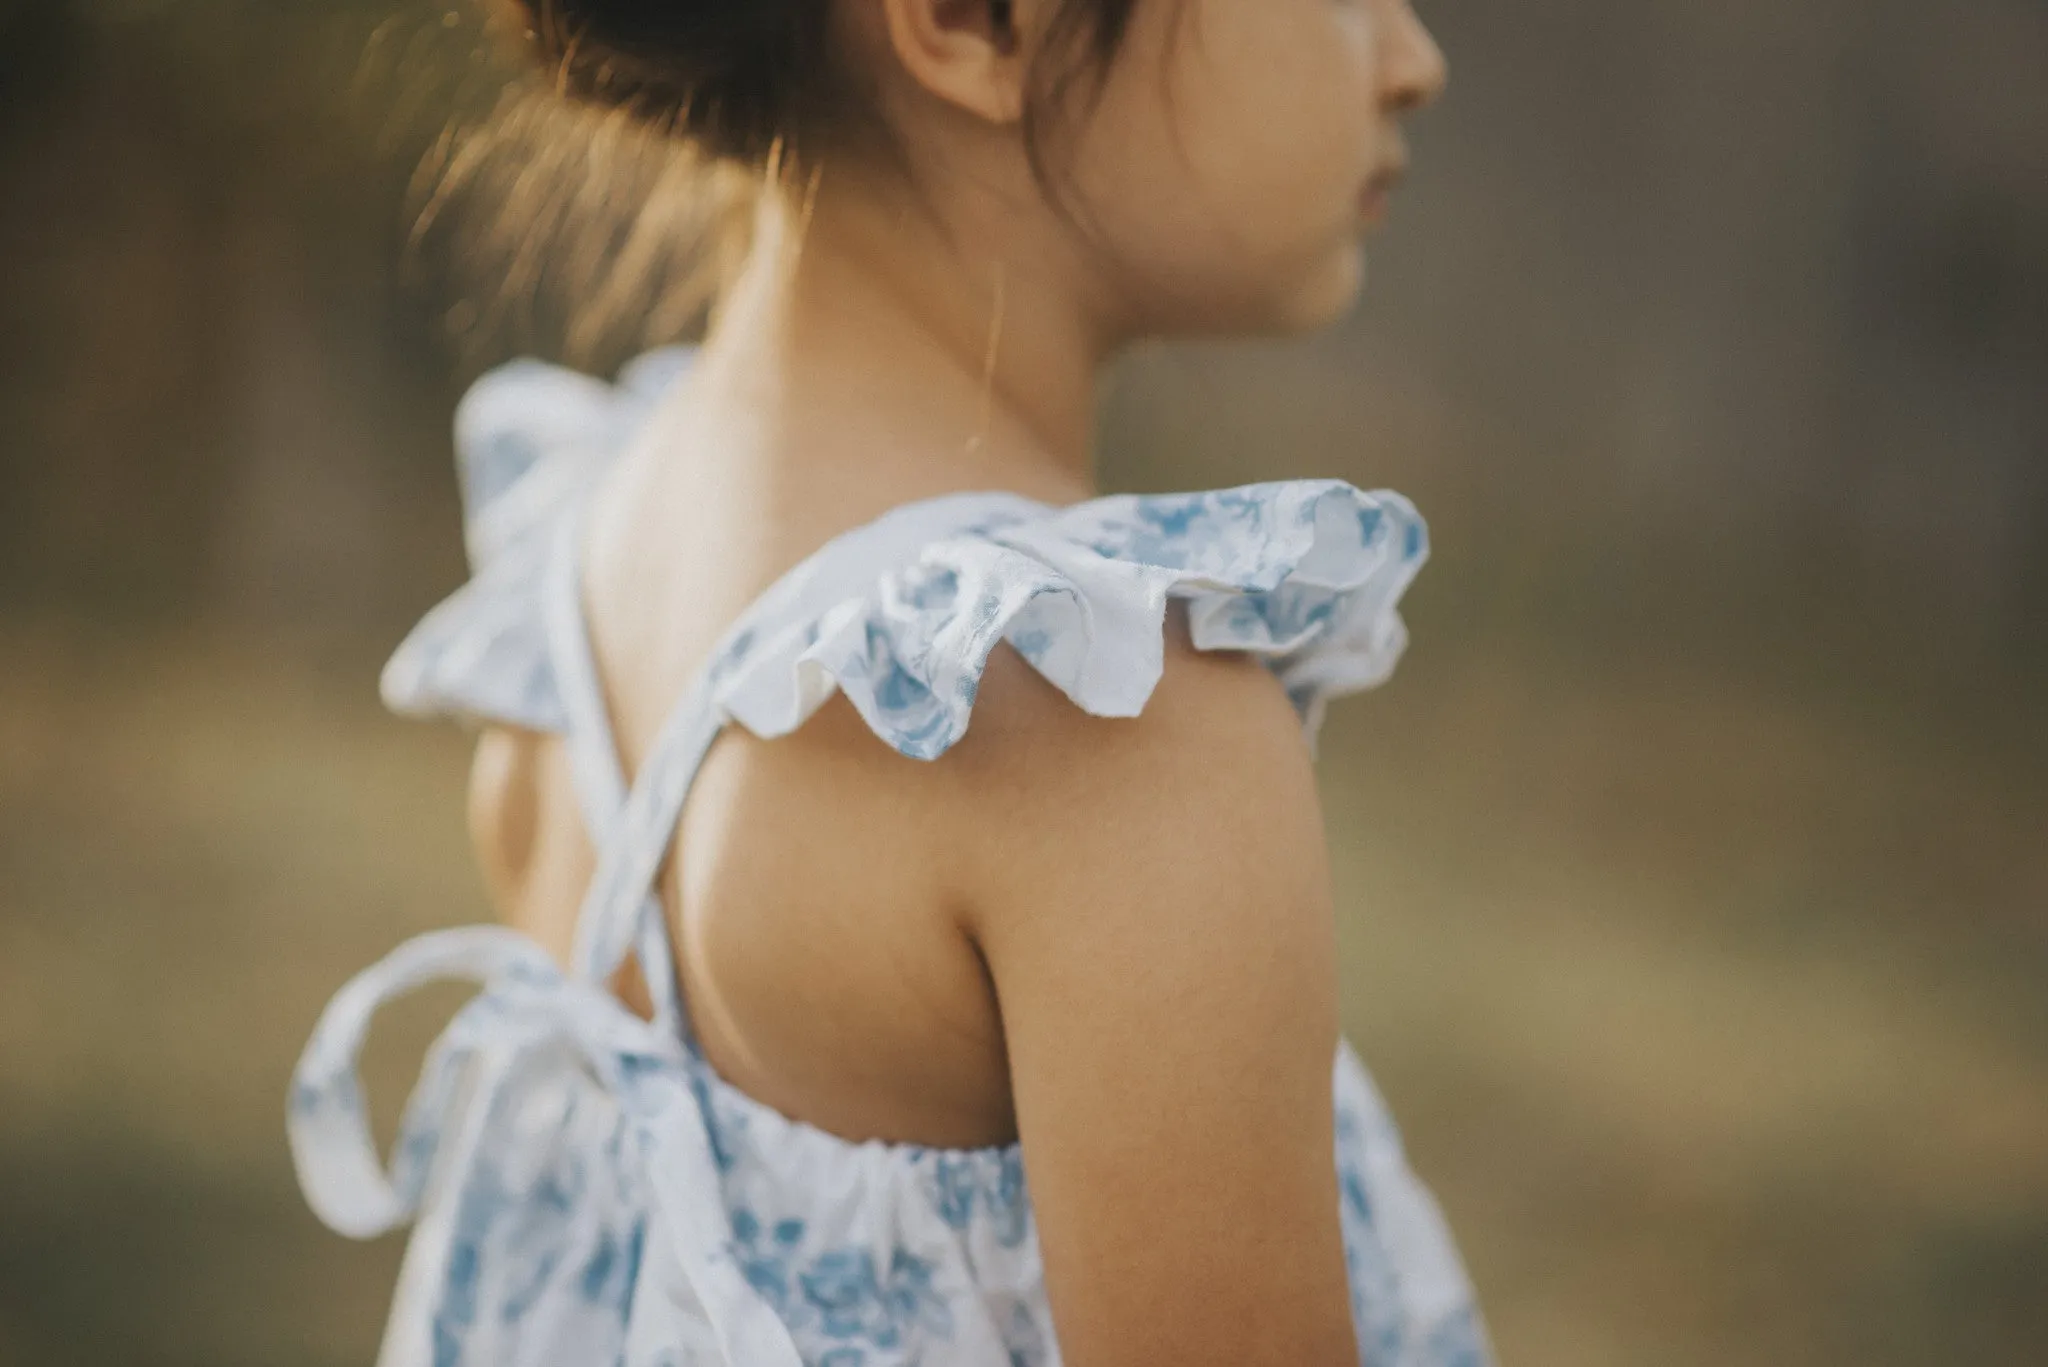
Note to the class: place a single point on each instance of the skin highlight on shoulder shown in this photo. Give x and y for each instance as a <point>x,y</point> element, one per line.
<point>1151,898</point>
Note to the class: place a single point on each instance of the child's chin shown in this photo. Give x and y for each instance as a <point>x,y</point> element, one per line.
<point>1327,295</point>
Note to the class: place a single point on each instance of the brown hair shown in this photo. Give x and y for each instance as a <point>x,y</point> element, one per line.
<point>617,192</point>
<point>746,79</point>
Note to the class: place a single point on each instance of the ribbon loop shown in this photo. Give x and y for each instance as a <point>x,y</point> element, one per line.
<point>528,1004</point>
<point>328,1121</point>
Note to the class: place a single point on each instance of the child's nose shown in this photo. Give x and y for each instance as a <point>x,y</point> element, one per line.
<point>1416,70</point>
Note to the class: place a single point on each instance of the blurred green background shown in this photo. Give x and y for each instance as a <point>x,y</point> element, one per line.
<point>1694,871</point>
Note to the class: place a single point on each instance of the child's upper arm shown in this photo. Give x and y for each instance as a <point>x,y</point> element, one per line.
<point>1153,905</point>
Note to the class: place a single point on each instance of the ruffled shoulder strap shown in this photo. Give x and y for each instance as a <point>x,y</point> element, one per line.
<point>1305,574</point>
<point>901,616</point>
<point>529,439</point>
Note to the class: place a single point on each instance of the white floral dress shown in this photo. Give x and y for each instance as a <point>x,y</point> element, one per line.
<point>584,1188</point>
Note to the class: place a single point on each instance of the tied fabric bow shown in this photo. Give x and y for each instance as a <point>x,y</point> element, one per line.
<point>528,1007</point>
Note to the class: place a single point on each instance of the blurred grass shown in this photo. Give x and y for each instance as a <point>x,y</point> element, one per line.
<point>197,844</point>
<point>1713,1017</point>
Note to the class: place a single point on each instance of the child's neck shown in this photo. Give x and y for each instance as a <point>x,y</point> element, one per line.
<point>966,365</point>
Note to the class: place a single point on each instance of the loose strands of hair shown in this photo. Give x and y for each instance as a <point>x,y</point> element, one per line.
<point>607,197</point>
<point>1079,45</point>
<point>580,228</point>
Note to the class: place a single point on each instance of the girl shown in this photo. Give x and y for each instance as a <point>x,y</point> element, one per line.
<point>781,1021</point>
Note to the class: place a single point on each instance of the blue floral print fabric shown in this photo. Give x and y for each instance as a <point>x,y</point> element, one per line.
<point>582,1186</point>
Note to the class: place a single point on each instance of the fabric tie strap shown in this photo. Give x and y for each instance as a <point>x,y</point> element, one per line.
<point>527,1005</point>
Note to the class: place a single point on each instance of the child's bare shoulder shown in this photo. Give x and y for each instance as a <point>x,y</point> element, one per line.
<point>1213,777</point>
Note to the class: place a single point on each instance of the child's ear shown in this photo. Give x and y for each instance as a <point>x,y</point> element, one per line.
<point>969,53</point>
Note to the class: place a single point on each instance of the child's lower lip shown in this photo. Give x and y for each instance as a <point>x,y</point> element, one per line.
<point>1378,192</point>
